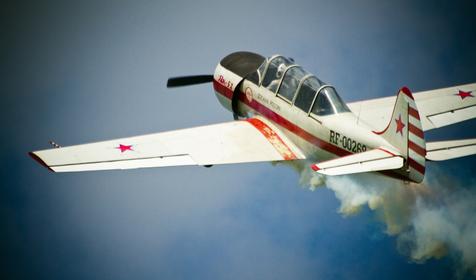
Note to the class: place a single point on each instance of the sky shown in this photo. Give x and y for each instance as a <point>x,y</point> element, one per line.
<point>77,72</point>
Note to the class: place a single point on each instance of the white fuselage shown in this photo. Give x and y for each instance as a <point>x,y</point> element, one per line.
<point>319,137</point>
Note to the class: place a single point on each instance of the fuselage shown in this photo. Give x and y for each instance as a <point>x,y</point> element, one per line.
<point>319,123</point>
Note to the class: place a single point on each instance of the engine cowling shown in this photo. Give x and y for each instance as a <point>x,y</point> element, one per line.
<point>229,74</point>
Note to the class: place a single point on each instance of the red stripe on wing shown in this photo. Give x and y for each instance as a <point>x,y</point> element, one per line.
<point>273,138</point>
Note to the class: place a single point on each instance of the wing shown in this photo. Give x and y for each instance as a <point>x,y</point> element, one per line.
<point>252,140</point>
<point>437,108</point>
<point>444,150</point>
<point>373,160</point>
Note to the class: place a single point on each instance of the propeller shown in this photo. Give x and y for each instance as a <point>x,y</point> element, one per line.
<point>189,80</point>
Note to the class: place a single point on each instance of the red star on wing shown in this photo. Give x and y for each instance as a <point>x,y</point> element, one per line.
<point>400,125</point>
<point>464,94</point>
<point>124,148</point>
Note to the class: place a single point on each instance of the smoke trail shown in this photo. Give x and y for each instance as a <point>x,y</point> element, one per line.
<point>429,220</point>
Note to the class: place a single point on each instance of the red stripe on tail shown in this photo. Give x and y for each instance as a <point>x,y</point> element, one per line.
<point>415,165</point>
<point>407,92</point>
<point>415,130</point>
<point>413,113</point>
<point>417,149</point>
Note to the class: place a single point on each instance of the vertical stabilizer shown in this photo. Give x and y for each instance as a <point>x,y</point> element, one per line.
<point>404,132</point>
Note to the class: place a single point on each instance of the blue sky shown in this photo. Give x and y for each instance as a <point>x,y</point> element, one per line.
<point>82,72</point>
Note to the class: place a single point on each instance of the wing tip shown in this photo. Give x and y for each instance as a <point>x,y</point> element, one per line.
<point>315,167</point>
<point>39,160</point>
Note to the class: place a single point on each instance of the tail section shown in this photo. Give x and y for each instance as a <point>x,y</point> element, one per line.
<point>404,132</point>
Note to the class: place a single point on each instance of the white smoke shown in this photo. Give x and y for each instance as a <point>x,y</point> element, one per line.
<point>429,220</point>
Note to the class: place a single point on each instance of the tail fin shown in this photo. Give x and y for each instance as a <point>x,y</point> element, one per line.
<point>405,134</point>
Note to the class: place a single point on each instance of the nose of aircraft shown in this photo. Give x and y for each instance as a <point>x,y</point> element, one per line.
<point>242,63</point>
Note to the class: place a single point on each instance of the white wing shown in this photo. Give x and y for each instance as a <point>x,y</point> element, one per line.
<point>373,160</point>
<point>437,108</point>
<point>252,140</point>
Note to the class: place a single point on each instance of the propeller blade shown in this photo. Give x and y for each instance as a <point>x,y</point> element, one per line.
<point>189,80</point>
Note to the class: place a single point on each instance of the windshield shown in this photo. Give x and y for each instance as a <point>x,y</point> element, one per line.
<point>261,70</point>
<point>328,102</point>
<point>276,68</point>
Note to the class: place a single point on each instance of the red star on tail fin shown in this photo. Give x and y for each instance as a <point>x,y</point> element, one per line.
<point>400,125</point>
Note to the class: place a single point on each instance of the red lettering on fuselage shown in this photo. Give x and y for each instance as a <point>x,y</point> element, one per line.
<point>224,82</point>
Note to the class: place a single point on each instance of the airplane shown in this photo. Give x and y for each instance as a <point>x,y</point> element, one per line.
<point>284,113</point>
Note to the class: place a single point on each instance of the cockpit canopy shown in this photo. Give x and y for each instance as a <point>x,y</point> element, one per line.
<point>297,86</point>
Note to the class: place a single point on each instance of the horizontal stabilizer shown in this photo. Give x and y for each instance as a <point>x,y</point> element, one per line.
<point>373,160</point>
<point>444,150</point>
